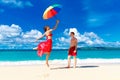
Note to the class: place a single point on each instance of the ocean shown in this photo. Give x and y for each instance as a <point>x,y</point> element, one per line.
<point>18,57</point>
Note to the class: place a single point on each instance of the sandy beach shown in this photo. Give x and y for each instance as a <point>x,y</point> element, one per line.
<point>60,72</point>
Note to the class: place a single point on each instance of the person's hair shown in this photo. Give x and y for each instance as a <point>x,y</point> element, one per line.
<point>73,33</point>
<point>45,28</point>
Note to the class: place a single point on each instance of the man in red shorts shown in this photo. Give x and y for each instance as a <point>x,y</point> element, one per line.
<point>73,49</point>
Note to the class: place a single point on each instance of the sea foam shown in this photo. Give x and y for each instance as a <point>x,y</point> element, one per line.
<point>56,61</point>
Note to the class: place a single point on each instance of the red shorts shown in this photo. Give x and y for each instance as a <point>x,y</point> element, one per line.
<point>71,51</point>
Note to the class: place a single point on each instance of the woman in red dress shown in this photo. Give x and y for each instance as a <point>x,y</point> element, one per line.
<point>46,46</point>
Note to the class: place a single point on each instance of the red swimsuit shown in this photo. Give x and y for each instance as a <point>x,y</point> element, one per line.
<point>45,46</point>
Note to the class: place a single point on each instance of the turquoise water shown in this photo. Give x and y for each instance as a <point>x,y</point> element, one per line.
<point>26,55</point>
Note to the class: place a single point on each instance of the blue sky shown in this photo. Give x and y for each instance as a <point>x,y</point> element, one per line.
<point>95,22</point>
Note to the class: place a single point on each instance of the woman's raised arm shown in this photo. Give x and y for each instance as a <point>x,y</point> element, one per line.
<point>57,22</point>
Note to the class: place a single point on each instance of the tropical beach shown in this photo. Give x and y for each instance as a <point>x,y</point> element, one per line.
<point>30,67</point>
<point>59,40</point>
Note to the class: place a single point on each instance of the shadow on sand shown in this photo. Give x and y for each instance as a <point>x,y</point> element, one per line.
<point>88,66</point>
<point>60,68</point>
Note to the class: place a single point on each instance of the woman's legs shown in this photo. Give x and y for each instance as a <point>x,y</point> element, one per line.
<point>47,56</point>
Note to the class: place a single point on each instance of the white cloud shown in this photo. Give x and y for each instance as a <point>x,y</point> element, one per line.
<point>16,3</point>
<point>63,39</point>
<point>13,37</point>
<point>66,32</point>
<point>91,38</point>
<point>10,31</point>
<point>113,44</point>
<point>29,37</point>
<point>31,34</point>
<point>87,39</point>
<point>1,37</point>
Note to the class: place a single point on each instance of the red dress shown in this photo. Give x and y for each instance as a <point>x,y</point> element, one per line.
<point>45,46</point>
<point>71,51</point>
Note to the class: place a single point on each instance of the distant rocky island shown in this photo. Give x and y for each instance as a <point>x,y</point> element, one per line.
<point>80,48</point>
<point>94,48</point>
<point>99,48</point>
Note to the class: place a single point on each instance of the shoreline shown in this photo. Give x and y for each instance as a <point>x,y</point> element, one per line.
<point>60,62</point>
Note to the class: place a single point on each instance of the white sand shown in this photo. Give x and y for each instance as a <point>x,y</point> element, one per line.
<point>59,72</point>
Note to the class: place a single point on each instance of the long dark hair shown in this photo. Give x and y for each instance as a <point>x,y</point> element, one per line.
<point>45,28</point>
